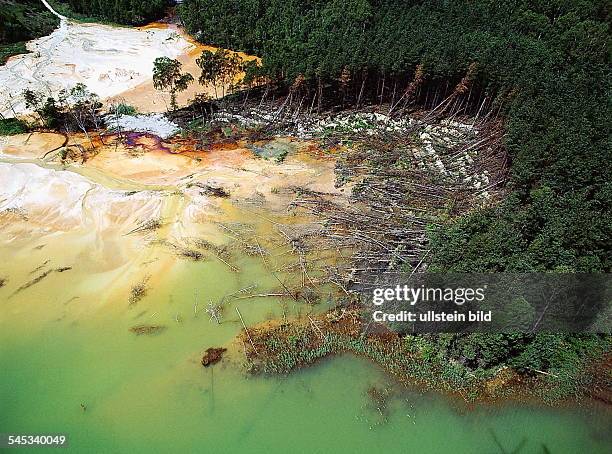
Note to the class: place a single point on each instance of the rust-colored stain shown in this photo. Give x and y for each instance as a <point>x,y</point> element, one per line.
<point>230,151</point>
<point>156,25</point>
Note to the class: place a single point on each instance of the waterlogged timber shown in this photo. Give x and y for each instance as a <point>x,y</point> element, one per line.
<point>145,276</point>
<point>111,350</point>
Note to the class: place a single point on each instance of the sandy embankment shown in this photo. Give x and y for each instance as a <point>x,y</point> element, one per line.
<point>30,146</point>
<point>109,60</point>
<point>116,63</point>
<point>59,197</point>
<point>58,200</point>
<point>147,99</point>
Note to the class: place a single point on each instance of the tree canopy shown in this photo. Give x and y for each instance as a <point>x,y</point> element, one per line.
<point>218,68</point>
<point>132,12</point>
<point>167,75</point>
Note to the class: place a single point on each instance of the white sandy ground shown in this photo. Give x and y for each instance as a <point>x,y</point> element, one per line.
<point>154,123</point>
<point>108,60</point>
<point>118,188</point>
<point>59,200</point>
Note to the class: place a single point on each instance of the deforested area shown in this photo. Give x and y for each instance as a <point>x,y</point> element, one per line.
<point>544,67</point>
<point>485,143</point>
<point>306,226</point>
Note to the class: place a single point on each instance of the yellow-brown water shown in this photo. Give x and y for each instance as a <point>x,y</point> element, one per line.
<point>69,362</point>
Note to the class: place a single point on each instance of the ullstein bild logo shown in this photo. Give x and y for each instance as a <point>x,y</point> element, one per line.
<point>495,302</point>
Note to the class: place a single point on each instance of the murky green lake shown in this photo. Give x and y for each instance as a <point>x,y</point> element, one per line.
<point>69,363</point>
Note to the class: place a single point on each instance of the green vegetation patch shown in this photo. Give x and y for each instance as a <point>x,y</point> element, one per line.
<point>127,12</point>
<point>12,126</point>
<point>8,50</point>
<point>473,366</point>
<point>123,109</point>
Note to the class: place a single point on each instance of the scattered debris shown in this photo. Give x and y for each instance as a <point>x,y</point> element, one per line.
<point>214,310</point>
<point>213,191</point>
<point>40,277</point>
<point>40,267</point>
<point>138,291</point>
<point>140,330</point>
<point>14,212</point>
<point>212,356</point>
<point>191,254</point>
<point>146,226</point>
<point>186,252</point>
<point>34,281</point>
<point>379,398</point>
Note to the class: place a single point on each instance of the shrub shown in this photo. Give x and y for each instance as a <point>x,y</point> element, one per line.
<point>123,109</point>
<point>11,126</point>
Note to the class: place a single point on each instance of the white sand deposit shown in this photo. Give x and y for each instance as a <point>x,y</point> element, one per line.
<point>58,200</point>
<point>154,123</point>
<point>109,60</point>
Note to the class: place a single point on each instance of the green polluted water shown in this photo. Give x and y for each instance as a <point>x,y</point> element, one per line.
<point>70,364</point>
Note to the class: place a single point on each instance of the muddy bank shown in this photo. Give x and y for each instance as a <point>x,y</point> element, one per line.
<point>31,146</point>
<point>131,208</point>
<point>278,347</point>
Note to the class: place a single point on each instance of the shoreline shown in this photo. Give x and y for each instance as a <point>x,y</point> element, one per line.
<point>384,348</point>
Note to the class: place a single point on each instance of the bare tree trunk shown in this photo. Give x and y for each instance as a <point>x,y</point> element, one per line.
<point>393,96</point>
<point>320,97</point>
<point>314,98</point>
<point>363,81</point>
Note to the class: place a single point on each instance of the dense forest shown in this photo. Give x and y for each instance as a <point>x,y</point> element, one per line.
<point>129,12</point>
<point>543,64</point>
